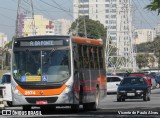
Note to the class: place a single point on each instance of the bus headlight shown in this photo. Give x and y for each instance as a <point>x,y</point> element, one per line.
<point>16,91</point>
<point>67,89</point>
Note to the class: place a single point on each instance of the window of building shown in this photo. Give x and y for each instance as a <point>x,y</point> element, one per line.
<point>107,5</point>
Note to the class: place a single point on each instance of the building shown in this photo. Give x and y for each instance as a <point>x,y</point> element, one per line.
<point>45,26</point>
<point>144,35</point>
<point>3,40</point>
<point>157,30</point>
<point>116,16</point>
<point>113,14</point>
<point>62,26</point>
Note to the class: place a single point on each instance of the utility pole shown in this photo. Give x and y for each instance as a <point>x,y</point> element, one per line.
<point>25,13</point>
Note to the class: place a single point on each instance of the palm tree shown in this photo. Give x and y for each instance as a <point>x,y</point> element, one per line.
<point>154,6</point>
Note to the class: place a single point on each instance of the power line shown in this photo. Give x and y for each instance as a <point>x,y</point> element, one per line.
<point>155,16</point>
<point>142,14</point>
<point>62,8</point>
<point>55,7</point>
<point>145,11</point>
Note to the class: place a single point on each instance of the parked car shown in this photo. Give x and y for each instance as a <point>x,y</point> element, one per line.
<point>112,82</point>
<point>6,83</point>
<point>133,88</point>
<point>144,75</point>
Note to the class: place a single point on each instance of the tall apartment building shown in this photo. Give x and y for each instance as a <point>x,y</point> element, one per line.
<point>144,35</point>
<point>113,14</point>
<point>44,26</point>
<point>62,26</point>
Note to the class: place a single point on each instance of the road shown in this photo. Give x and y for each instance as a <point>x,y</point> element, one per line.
<point>108,107</point>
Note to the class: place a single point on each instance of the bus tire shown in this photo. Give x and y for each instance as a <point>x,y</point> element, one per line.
<point>26,108</point>
<point>86,106</point>
<point>95,104</point>
<point>81,94</point>
<point>9,103</point>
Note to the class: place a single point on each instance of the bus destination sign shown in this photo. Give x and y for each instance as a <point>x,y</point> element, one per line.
<point>41,43</point>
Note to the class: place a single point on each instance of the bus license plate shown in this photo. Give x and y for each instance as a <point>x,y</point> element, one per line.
<point>130,94</point>
<point>41,102</point>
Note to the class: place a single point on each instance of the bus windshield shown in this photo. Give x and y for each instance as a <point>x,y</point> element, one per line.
<point>41,65</point>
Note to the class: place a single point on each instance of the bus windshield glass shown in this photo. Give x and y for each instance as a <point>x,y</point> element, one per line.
<point>51,66</point>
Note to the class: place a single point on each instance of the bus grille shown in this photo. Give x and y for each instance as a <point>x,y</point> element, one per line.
<point>49,99</point>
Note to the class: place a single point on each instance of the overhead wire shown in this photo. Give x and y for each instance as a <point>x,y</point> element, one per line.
<point>153,13</point>
<point>142,15</point>
<point>146,14</point>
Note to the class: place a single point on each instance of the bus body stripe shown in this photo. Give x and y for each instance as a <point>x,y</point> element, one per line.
<point>87,41</point>
<point>42,92</point>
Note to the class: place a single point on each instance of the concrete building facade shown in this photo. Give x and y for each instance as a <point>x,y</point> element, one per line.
<point>3,40</point>
<point>144,35</point>
<point>45,26</point>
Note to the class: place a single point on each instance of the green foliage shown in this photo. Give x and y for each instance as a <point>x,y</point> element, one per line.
<point>145,47</point>
<point>150,47</point>
<point>94,29</point>
<point>8,45</point>
<point>154,6</point>
<point>142,60</point>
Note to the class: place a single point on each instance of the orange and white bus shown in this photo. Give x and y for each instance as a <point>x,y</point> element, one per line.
<point>50,71</point>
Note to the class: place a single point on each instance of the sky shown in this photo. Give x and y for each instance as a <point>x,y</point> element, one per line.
<point>57,9</point>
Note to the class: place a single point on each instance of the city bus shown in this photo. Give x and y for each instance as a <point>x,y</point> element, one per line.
<point>50,71</point>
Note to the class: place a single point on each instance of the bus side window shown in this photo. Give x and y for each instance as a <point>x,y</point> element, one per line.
<point>96,57</point>
<point>100,55</point>
<point>85,57</point>
<point>75,57</point>
<point>80,48</point>
<point>91,58</point>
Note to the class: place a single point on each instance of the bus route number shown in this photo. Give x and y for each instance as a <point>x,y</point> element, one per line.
<point>30,93</point>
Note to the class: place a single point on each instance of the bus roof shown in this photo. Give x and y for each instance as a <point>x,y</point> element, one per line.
<point>75,39</point>
<point>87,41</point>
<point>44,36</point>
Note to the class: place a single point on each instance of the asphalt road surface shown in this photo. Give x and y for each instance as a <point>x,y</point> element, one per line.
<point>108,107</point>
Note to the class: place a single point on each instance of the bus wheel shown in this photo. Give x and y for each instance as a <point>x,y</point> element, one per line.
<point>95,104</point>
<point>9,103</point>
<point>26,108</point>
<point>75,107</point>
<point>86,106</point>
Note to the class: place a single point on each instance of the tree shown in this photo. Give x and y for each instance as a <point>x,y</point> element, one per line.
<point>94,29</point>
<point>6,55</point>
<point>154,6</point>
<point>142,60</point>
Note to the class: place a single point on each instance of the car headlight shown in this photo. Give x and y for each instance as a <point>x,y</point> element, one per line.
<point>122,91</point>
<point>139,91</point>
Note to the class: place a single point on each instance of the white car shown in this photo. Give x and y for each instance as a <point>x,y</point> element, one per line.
<point>112,82</point>
<point>6,85</point>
